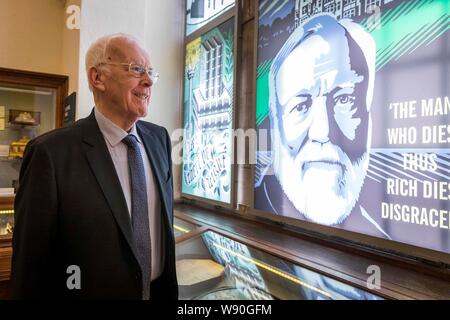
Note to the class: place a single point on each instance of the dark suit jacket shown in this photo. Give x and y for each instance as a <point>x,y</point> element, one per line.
<point>70,210</point>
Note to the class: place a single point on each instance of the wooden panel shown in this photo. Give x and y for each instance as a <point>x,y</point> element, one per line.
<point>6,203</point>
<point>247,9</point>
<point>5,258</point>
<point>245,103</point>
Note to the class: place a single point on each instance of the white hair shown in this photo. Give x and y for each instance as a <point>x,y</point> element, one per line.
<point>98,50</point>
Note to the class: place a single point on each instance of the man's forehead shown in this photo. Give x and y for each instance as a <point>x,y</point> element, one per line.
<point>128,50</point>
<point>315,65</point>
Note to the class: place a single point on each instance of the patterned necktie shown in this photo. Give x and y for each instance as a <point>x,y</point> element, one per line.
<point>139,212</point>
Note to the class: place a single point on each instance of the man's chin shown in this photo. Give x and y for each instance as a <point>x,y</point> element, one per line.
<point>318,178</point>
<point>327,167</point>
<point>141,112</point>
<point>323,193</point>
<point>330,210</point>
<point>325,207</point>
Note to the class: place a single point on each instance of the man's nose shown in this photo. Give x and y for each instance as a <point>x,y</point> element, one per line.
<point>319,129</point>
<point>146,81</point>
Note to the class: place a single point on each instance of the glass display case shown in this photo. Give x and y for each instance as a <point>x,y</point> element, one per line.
<point>212,266</point>
<point>182,227</point>
<point>31,104</point>
<point>6,229</point>
<point>24,114</point>
<point>6,216</point>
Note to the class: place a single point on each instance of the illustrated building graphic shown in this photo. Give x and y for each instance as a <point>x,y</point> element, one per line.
<point>203,9</point>
<point>212,100</point>
<point>339,8</point>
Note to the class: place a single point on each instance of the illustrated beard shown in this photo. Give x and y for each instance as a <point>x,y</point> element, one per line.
<point>321,181</point>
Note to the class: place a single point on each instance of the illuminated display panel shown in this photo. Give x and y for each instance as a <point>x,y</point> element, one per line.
<point>208,114</point>
<point>215,267</point>
<point>354,99</point>
<point>200,12</point>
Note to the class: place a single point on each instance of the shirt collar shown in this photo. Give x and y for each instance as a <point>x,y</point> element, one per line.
<point>113,133</point>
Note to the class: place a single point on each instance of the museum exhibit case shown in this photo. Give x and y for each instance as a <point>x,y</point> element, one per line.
<point>211,266</point>
<point>6,229</point>
<point>31,104</point>
<point>182,227</point>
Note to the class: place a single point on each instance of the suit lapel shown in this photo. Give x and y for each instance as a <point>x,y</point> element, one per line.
<point>102,166</point>
<point>156,162</point>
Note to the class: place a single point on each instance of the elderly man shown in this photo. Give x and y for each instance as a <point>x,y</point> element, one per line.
<point>321,86</point>
<point>94,208</point>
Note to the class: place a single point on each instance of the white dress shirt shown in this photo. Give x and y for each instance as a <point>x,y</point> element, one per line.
<point>119,153</point>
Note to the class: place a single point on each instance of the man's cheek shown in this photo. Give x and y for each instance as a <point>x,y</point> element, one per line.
<point>347,125</point>
<point>294,142</point>
<point>295,133</point>
<point>351,134</point>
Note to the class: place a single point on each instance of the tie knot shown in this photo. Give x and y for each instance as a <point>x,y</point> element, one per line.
<point>131,141</point>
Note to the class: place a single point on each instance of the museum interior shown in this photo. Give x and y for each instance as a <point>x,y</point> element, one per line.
<point>310,139</point>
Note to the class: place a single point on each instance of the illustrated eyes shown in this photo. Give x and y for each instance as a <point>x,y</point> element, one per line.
<point>344,100</point>
<point>302,104</point>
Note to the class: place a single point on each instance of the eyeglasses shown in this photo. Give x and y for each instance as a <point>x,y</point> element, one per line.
<point>138,70</point>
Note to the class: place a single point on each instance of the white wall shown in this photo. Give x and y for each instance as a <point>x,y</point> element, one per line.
<point>158,24</point>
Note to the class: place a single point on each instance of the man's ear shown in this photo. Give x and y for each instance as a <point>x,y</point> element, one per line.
<point>96,79</point>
